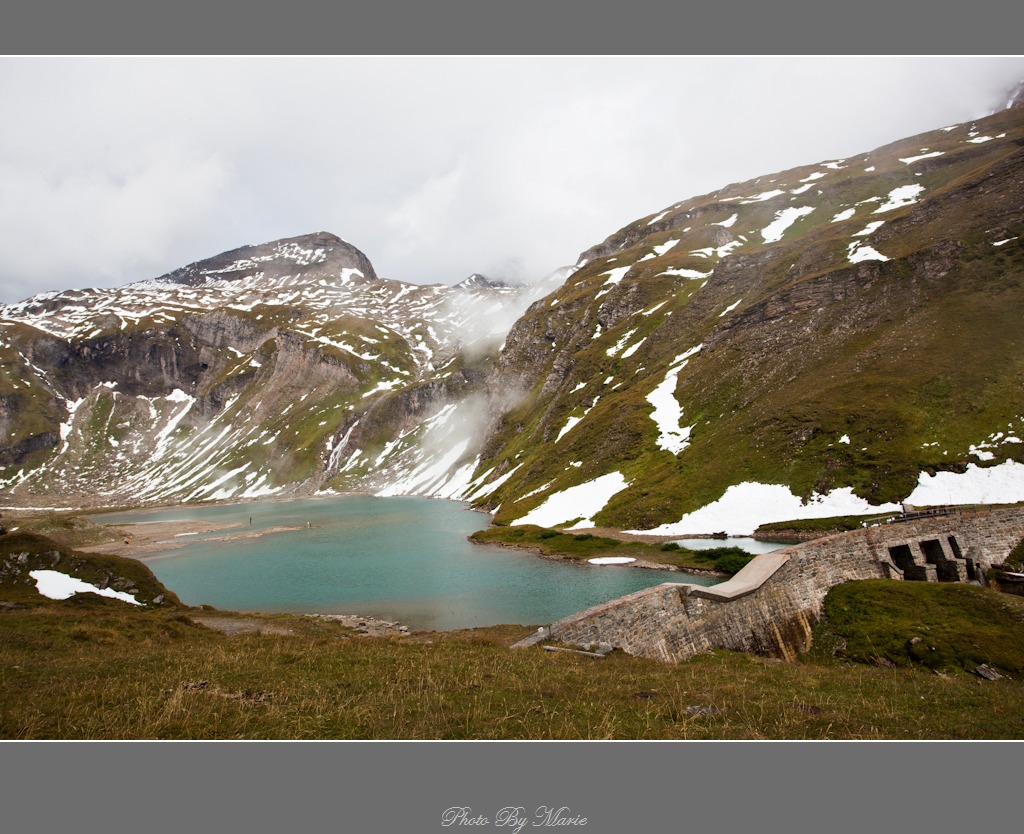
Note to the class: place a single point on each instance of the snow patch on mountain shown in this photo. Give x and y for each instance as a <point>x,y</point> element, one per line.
<point>583,501</point>
<point>783,220</point>
<point>667,415</point>
<point>619,345</point>
<point>746,506</point>
<point>730,308</point>
<point>764,195</point>
<point>686,273</point>
<point>617,274</point>
<point>633,348</point>
<point>858,253</point>
<point>1001,484</point>
<point>56,585</point>
<point>871,227</point>
<point>905,195</point>
<point>570,424</point>
<point>910,160</point>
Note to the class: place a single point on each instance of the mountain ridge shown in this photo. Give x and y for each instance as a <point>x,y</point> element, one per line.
<point>102,388</point>
<point>319,249</point>
<point>711,292</point>
<point>844,328</point>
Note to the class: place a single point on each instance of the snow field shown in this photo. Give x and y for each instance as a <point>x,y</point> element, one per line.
<point>783,220</point>
<point>582,501</point>
<point>667,415</point>
<point>56,585</point>
<point>858,253</point>
<point>746,506</point>
<point>905,195</point>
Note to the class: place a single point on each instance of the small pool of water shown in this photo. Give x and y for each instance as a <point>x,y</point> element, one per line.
<point>746,543</point>
<point>404,559</point>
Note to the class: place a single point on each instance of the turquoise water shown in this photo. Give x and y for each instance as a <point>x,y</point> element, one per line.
<point>404,559</point>
<point>750,545</point>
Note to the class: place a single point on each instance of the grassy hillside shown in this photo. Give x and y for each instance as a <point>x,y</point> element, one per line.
<point>873,338</point>
<point>582,546</point>
<point>945,627</point>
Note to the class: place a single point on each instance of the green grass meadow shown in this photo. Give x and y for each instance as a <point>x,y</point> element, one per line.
<point>97,668</point>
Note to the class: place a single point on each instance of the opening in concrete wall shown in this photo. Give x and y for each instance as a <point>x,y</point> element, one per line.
<point>945,570</point>
<point>954,546</point>
<point>904,559</point>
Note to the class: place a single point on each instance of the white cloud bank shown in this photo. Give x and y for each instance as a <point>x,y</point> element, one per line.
<point>121,169</point>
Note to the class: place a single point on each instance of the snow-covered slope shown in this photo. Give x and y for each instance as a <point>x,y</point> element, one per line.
<point>277,368</point>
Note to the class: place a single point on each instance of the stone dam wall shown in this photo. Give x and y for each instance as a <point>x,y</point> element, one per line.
<point>770,606</point>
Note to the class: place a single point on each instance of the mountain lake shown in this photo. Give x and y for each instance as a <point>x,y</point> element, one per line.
<point>403,559</point>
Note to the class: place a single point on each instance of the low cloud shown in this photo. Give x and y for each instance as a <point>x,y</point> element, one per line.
<point>101,227</point>
<point>116,170</point>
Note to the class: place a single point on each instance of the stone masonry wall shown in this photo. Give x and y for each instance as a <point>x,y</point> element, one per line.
<point>771,605</point>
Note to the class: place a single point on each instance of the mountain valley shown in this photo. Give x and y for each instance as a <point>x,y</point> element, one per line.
<point>832,339</point>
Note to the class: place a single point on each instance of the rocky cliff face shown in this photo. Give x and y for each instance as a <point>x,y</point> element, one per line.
<point>288,367</point>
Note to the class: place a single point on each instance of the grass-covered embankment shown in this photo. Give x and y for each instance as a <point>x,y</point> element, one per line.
<point>944,627</point>
<point>584,546</point>
<point>798,530</point>
<point>804,529</point>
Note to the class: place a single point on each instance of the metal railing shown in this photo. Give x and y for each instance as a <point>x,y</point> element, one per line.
<point>911,513</point>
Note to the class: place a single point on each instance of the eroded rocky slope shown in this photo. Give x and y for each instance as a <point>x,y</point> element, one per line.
<point>288,367</point>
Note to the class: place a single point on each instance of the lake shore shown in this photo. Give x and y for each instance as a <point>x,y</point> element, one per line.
<point>148,540</point>
<point>151,540</point>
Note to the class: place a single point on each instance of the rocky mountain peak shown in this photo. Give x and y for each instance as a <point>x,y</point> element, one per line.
<point>478,281</point>
<point>317,255</point>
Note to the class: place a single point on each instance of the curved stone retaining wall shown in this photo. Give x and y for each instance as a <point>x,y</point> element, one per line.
<point>771,605</point>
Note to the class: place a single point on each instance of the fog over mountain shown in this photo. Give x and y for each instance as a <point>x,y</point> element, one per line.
<point>123,169</point>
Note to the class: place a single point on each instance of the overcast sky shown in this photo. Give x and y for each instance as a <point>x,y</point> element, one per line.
<point>117,170</point>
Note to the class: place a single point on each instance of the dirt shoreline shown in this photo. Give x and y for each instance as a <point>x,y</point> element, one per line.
<point>156,537</point>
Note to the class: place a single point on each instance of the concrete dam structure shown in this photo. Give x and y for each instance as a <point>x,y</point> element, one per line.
<point>771,605</point>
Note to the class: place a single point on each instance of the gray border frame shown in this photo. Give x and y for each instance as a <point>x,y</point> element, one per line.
<point>526,27</point>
